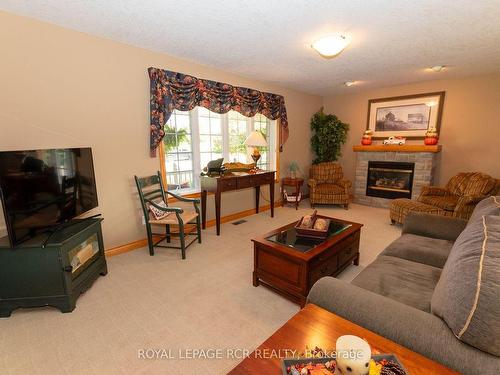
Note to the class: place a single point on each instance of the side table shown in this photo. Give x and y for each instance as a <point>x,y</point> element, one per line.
<point>297,184</point>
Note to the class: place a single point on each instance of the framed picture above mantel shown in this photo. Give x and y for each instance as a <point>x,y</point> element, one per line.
<point>409,116</point>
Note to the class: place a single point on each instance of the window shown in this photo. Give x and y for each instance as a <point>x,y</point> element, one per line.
<point>177,146</point>
<point>194,138</point>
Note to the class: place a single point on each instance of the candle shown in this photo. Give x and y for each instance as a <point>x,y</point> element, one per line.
<point>352,356</point>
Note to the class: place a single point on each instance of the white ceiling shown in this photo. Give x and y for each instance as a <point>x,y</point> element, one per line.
<point>269,40</point>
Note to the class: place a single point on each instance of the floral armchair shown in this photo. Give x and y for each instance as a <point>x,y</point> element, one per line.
<point>461,194</point>
<point>327,185</point>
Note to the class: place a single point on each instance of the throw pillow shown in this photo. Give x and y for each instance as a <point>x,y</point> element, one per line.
<point>157,213</point>
<point>467,294</point>
<point>488,206</point>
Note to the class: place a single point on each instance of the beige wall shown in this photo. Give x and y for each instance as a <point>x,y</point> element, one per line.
<point>470,127</point>
<point>62,88</point>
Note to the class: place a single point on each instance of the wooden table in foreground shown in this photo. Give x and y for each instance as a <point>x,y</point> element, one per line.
<point>314,326</point>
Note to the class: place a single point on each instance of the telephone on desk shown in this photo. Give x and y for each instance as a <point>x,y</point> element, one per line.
<point>214,167</point>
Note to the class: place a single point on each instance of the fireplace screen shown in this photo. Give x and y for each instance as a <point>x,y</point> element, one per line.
<point>390,179</point>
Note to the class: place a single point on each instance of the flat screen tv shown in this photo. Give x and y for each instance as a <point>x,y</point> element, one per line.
<point>42,189</point>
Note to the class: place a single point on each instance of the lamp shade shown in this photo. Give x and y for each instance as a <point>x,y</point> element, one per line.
<point>255,139</point>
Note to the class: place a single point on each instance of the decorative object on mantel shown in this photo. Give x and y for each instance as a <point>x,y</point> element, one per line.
<point>431,137</point>
<point>366,140</point>
<point>396,148</point>
<point>400,141</point>
<point>172,90</point>
<point>329,135</point>
<point>409,116</point>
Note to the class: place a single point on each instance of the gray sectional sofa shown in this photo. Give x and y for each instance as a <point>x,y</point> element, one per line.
<point>434,290</point>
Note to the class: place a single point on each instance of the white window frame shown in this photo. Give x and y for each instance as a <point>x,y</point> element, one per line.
<point>195,146</point>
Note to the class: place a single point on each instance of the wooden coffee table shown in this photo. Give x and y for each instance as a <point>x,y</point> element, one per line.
<point>291,265</point>
<point>314,326</point>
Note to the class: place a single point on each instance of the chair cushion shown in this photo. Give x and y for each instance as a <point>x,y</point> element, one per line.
<point>400,208</point>
<point>471,183</point>
<point>426,250</point>
<point>479,184</point>
<point>467,294</point>
<point>186,216</point>
<point>408,282</point>
<point>326,172</point>
<point>329,189</point>
<point>447,202</point>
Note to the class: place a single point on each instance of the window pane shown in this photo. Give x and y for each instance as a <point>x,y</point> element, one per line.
<point>184,144</point>
<point>182,122</point>
<point>204,125</point>
<point>178,152</point>
<point>216,144</point>
<point>205,158</point>
<point>205,143</point>
<point>215,126</point>
<point>202,111</point>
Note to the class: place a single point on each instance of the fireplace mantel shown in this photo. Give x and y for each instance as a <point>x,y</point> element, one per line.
<point>397,148</point>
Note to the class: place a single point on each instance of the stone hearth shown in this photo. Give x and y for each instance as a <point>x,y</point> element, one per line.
<point>425,159</point>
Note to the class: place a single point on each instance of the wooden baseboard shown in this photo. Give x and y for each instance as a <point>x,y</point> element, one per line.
<point>126,248</point>
<point>210,223</point>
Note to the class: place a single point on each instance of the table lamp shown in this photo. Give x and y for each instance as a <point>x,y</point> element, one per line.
<point>255,140</point>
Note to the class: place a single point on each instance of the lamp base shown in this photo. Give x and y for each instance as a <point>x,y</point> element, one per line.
<point>255,158</point>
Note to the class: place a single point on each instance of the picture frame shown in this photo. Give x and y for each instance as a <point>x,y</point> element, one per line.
<point>408,116</point>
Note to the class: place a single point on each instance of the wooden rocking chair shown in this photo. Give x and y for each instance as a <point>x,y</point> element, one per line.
<point>151,193</point>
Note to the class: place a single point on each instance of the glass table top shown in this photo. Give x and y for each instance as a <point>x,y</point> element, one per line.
<point>290,239</point>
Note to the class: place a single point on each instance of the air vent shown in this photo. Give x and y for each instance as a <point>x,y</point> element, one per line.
<point>238,222</point>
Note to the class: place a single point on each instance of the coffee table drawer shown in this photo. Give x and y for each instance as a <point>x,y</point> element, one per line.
<point>348,252</point>
<point>327,268</point>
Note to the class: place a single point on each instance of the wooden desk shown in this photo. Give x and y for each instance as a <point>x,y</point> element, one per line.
<point>234,181</point>
<point>314,326</point>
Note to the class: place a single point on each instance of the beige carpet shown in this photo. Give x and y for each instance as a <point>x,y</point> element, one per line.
<point>206,301</point>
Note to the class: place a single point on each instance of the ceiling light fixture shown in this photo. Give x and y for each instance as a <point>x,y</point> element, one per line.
<point>349,83</point>
<point>332,45</point>
<point>438,68</point>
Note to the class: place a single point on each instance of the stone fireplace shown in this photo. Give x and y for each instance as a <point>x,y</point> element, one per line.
<point>386,172</point>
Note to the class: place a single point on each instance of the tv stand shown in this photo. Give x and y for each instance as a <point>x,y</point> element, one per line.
<point>54,271</point>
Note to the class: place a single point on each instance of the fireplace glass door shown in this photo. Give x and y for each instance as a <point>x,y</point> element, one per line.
<point>390,179</point>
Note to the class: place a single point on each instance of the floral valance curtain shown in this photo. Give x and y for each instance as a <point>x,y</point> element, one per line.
<point>171,90</point>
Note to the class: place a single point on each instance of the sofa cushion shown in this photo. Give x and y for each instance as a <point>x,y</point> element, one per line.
<point>408,282</point>
<point>426,250</point>
<point>467,294</point>
<point>447,202</point>
<point>488,206</point>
